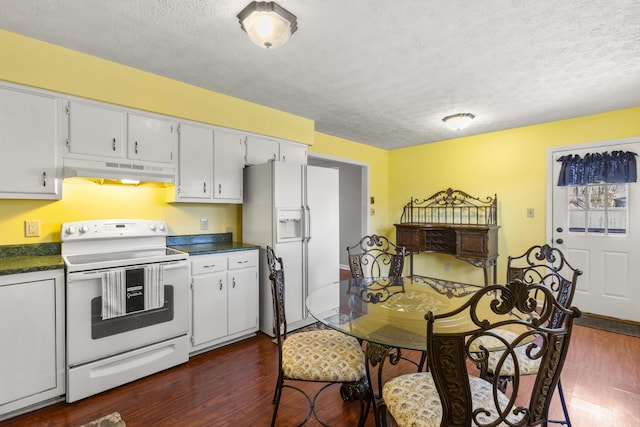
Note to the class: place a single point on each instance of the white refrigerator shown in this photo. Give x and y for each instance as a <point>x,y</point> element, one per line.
<point>294,209</point>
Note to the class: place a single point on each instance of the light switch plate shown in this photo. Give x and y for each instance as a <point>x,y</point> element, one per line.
<point>204,223</point>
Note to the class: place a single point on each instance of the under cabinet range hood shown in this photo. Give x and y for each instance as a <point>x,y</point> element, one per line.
<point>117,169</point>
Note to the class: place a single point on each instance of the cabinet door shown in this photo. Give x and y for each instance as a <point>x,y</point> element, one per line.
<point>96,130</point>
<point>28,336</point>
<point>261,150</point>
<point>150,138</point>
<point>195,162</point>
<point>293,153</point>
<point>228,161</point>
<point>243,300</point>
<point>29,131</point>
<point>209,313</point>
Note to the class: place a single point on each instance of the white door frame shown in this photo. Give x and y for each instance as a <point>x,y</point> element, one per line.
<point>551,184</point>
<point>599,289</point>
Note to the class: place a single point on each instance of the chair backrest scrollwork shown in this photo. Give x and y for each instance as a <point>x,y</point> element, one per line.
<point>515,307</point>
<point>376,256</point>
<point>548,266</point>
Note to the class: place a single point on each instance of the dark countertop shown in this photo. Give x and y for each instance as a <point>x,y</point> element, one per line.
<point>212,248</point>
<point>203,244</point>
<point>16,259</point>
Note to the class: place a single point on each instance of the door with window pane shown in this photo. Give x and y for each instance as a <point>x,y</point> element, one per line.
<point>595,226</point>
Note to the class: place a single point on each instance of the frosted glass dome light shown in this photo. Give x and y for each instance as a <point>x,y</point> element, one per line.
<point>458,121</point>
<point>267,24</point>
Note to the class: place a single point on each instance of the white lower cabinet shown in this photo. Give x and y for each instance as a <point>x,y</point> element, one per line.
<point>32,359</point>
<point>224,298</point>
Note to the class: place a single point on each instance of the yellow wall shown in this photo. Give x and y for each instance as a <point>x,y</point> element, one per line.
<point>33,63</point>
<point>88,199</point>
<point>511,164</point>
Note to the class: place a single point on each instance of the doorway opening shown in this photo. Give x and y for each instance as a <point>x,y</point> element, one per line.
<point>354,194</point>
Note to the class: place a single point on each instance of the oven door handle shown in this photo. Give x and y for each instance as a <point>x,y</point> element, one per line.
<point>97,274</point>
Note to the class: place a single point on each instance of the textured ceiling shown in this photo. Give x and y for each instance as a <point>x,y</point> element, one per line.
<point>383,73</point>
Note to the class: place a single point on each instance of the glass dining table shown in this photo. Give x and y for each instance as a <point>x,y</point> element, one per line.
<point>387,314</point>
<point>389,311</point>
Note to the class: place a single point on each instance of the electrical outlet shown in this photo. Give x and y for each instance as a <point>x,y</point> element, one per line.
<point>446,266</point>
<point>32,228</point>
<point>204,223</point>
<point>531,212</point>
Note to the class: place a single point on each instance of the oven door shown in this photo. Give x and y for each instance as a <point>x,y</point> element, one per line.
<point>89,337</point>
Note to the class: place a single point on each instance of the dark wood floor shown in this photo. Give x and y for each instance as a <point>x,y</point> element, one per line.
<point>233,386</point>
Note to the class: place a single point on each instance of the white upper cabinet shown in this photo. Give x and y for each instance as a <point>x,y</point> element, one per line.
<point>31,126</point>
<point>228,162</point>
<point>104,131</point>
<point>261,149</point>
<point>96,130</point>
<point>293,153</point>
<point>210,163</point>
<point>195,164</point>
<point>150,138</point>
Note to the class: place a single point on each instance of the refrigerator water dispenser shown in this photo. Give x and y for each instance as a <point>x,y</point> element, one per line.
<point>289,225</point>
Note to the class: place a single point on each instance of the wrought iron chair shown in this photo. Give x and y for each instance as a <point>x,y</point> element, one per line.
<point>547,266</point>
<point>325,356</point>
<point>448,396</point>
<point>376,256</point>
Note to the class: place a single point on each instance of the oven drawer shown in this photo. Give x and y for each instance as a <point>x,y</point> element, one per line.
<point>104,374</point>
<point>242,259</point>
<point>204,264</point>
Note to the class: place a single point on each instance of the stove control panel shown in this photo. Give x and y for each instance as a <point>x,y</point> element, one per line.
<point>112,228</point>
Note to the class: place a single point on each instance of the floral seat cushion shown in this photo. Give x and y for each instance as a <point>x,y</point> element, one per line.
<point>413,400</point>
<point>324,355</point>
<point>526,364</point>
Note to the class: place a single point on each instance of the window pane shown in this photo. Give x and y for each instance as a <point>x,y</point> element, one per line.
<point>596,196</point>
<point>599,209</point>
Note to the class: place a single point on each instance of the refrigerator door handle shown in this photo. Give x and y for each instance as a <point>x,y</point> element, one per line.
<point>307,223</point>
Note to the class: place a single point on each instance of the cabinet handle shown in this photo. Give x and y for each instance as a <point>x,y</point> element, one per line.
<point>114,145</point>
<point>44,179</point>
<point>242,262</point>
<point>275,156</point>
<point>219,188</point>
<point>136,147</point>
<point>220,281</point>
<point>234,283</point>
<point>284,158</point>
<point>204,187</point>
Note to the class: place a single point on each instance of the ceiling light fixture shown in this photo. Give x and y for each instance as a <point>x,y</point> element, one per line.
<point>458,121</point>
<point>267,24</point>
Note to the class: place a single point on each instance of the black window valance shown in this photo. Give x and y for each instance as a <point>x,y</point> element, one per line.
<point>615,167</point>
